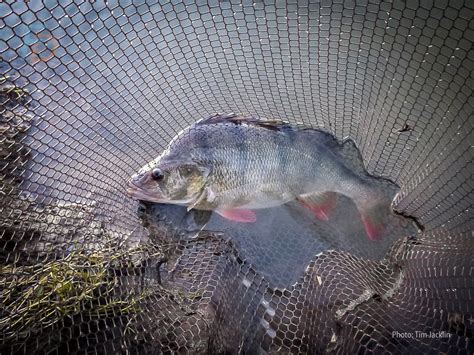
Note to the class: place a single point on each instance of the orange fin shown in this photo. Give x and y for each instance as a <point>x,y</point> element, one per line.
<point>246,216</point>
<point>373,229</point>
<point>375,220</point>
<point>320,204</point>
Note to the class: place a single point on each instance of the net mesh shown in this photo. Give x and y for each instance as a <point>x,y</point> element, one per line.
<point>90,91</point>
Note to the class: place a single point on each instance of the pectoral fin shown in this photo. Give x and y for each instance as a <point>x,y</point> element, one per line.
<point>201,217</point>
<point>246,216</point>
<point>321,204</point>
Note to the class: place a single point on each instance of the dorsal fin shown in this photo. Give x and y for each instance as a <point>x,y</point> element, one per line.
<point>273,124</point>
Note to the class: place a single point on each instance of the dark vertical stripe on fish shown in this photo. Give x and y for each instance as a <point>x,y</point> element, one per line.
<point>205,140</point>
<point>291,137</point>
<point>245,163</point>
<point>275,145</point>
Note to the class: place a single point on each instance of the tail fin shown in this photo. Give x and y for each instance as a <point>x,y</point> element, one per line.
<point>375,215</point>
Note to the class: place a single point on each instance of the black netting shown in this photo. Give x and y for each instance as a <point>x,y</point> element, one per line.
<point>91,91</point>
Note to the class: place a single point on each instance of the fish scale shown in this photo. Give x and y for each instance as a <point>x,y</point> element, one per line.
<point>255,150</point>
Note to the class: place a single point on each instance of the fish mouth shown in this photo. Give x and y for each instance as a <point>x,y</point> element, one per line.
<point>139,194</point>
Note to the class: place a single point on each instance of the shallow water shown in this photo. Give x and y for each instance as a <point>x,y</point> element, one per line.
<point>284,239</point>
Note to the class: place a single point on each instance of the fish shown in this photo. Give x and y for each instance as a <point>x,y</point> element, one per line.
<point>234,165</point>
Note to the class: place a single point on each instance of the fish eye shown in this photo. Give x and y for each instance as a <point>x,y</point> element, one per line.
<point>156,174</point>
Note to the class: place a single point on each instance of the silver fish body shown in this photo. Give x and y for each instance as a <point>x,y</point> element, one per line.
<point>243,163</point>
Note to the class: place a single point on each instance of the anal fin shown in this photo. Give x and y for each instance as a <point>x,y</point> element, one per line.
<point>321,204</point>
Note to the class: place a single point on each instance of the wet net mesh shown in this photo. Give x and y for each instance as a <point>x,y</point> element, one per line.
<point>91,91</point>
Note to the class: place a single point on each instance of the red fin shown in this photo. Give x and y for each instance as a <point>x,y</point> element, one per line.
<point>374,230</point>
<point>320,204</point>
<point>246,216</point>
<point>375,219</point>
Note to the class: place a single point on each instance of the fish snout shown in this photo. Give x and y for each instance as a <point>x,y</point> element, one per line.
<point>141,186</point>
<point>138,178</point>
<point>135,183</point>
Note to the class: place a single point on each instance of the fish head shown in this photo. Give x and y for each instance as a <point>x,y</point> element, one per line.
<point>175,182</point>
